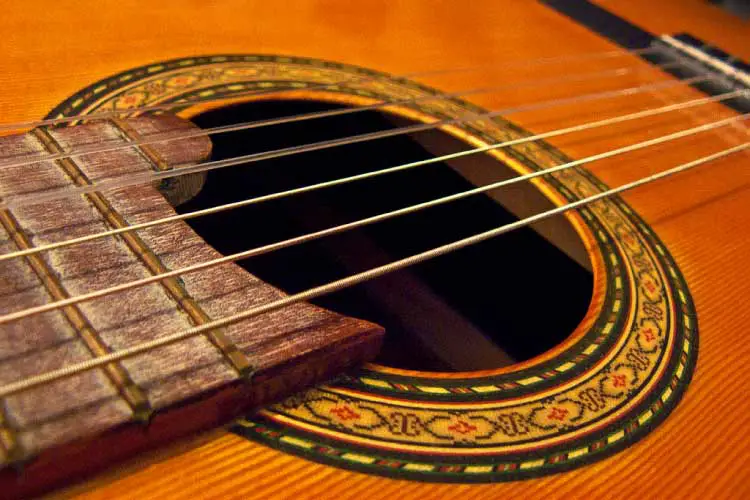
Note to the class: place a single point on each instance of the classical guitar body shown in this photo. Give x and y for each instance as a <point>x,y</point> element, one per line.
<point>405,249</point>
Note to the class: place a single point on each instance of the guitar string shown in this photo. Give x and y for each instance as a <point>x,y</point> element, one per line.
<point>50,306</point>
<point>337,285</point>
<point>25,159</point>
<point>15,201</point>
<point>368,175</point>
<point>418,74</point>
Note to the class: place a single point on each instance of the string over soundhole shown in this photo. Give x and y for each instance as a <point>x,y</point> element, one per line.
<point>61,197</point>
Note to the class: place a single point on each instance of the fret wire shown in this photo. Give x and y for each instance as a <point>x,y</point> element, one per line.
<point>352,280</point>
<point>351,225</point>
<point>367,175</point>
<point>149,177</point>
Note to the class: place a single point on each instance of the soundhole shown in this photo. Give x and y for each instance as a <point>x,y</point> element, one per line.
<point>499,302</point>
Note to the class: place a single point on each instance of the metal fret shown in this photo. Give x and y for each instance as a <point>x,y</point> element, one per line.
<point>134,395</point>
<point>10,447</point>
<point>176,190</point>
<point>174,288</point>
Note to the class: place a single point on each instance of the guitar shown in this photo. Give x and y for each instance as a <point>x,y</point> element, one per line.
<point>374,249</point>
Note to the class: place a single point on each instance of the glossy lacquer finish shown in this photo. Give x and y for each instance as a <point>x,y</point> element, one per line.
<point>50,51</point>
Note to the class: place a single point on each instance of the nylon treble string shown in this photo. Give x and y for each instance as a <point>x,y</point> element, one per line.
<point>368,175</point>
<point>417,74</point>
<point>150,177</point>
<point>76,299</point>
<point>25,159</point>
<point>334,286</point>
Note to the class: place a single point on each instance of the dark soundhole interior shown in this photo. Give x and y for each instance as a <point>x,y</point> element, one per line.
<point>499,302</point>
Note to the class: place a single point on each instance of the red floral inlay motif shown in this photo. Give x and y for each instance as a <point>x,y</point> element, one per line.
<point>462,427</point>
<point>345,413</point>
<point>181,80</point>
<point>557,414</point>
<point>650,286</point>
<point>648,333</point>
<point>129,100</point>
<point>619,380</point>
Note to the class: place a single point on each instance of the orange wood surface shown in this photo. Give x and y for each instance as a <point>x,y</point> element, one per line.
<point>50,50</point>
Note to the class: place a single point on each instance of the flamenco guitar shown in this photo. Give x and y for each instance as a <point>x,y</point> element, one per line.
<point>374,249</point>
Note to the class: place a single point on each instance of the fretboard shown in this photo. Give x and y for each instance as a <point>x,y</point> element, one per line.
<point>283,350</point>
